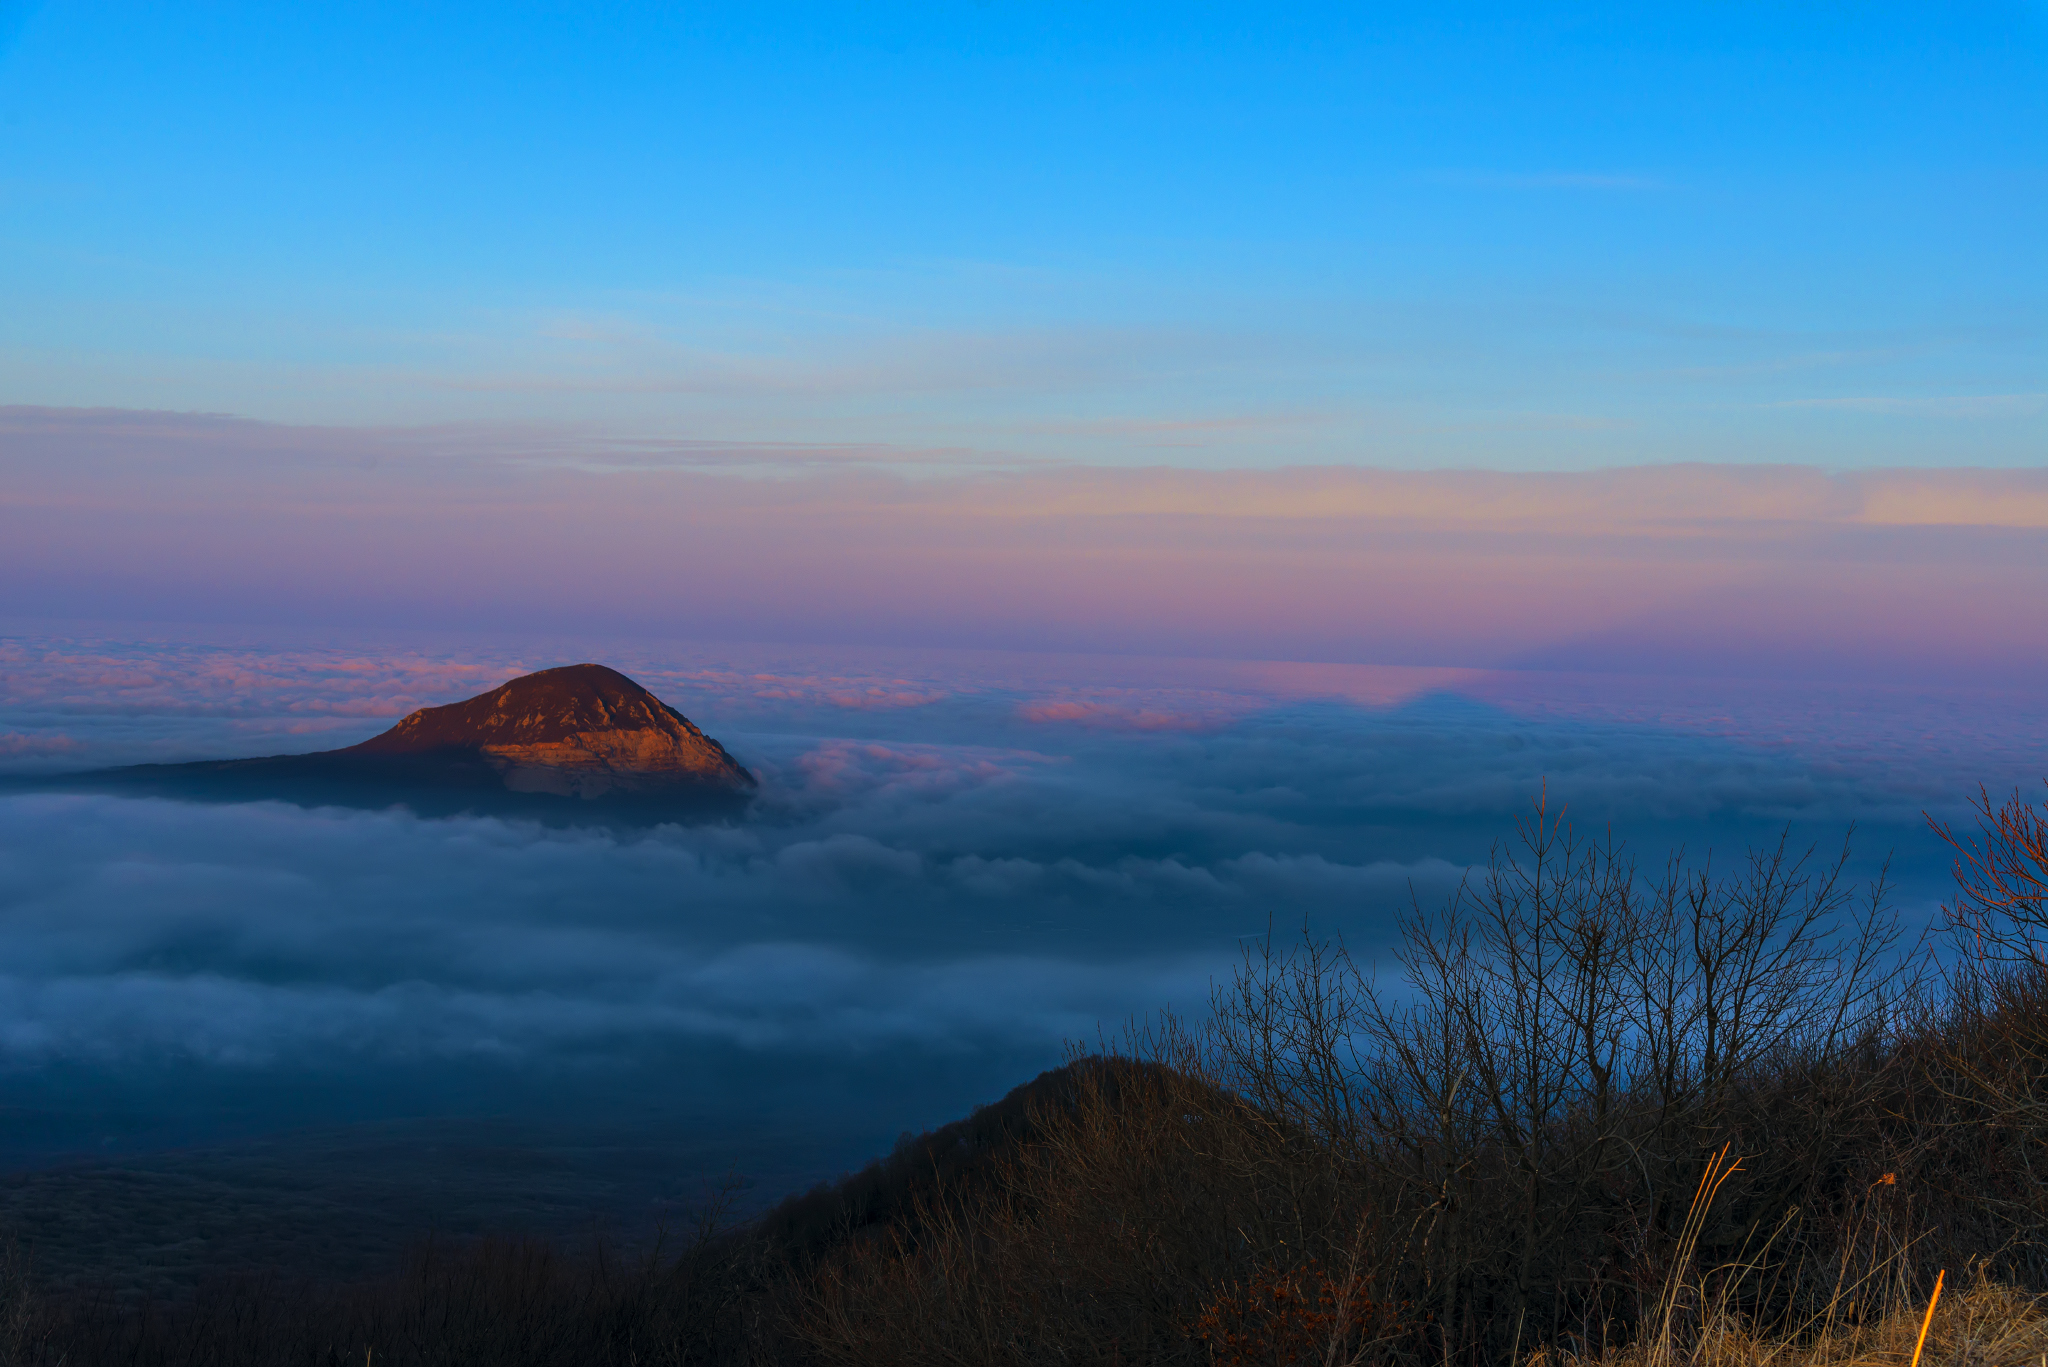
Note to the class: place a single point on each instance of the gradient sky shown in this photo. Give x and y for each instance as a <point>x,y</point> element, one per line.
<point>1525,237</point>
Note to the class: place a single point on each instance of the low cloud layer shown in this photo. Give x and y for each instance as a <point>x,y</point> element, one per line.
<point>958,862</point>
<point>955,855</point>
<point>1767,571</point>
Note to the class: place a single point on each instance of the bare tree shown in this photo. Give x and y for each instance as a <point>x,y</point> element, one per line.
<point>2001,908</point>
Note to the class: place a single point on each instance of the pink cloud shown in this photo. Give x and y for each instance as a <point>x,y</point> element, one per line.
<point>1697,568</point>
<point>1123,718</point>
<point>19,745</point>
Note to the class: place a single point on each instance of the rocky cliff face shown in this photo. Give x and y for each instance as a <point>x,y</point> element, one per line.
<point>579,731</point>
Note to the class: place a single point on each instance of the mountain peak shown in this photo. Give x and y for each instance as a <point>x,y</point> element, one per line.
<point>578,730</point>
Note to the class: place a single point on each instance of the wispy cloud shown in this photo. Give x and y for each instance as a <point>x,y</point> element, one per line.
<point>1550,180</point>
<point>1181,431</point>
<point>1963,406</point>
<point>1796,361</point>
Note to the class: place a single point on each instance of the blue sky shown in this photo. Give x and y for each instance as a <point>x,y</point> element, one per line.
<point>1517,237</point>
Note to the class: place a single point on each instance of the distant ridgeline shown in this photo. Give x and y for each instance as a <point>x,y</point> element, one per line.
<point>574,744</point>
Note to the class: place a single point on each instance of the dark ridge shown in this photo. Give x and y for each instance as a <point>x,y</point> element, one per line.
<point>958,1161</point>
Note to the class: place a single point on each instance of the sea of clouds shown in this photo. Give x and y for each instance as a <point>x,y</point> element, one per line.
<point>959,863</point>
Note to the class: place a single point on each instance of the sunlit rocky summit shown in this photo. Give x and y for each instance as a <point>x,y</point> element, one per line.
<point>580,731</point>
<point>577,743</point>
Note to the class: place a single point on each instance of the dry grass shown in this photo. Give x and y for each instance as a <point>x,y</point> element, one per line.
<point>1987,1324</point>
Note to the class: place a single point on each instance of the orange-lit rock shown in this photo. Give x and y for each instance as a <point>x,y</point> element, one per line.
<point>578,731</point>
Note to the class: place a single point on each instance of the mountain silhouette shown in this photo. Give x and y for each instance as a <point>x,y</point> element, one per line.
<point>578,743</point>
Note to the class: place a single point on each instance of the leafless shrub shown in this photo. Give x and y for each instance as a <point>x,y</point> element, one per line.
<point>2000,912</point>
<point>1534,1100</point>
<point>1504,1144</point>
<point>21,1328</point>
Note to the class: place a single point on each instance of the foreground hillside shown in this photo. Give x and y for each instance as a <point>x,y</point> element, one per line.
<point>1711,1115</point>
